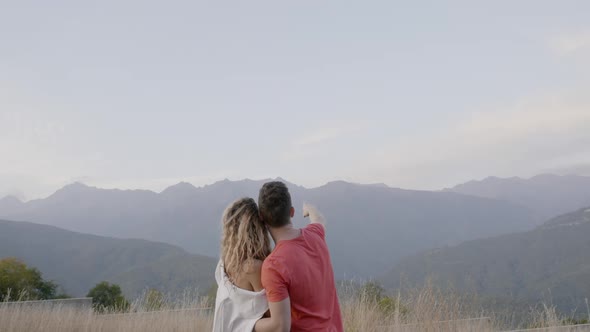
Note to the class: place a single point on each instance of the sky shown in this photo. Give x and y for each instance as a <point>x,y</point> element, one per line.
<point>419,95</point>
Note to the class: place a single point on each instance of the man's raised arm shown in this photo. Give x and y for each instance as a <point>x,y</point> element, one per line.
<point>315,217</point>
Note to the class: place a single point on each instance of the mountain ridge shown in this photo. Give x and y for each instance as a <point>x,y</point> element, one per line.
<point>190,217</point>
<point>77,261</point>
<point>546,195</point>
<point>549,262</point>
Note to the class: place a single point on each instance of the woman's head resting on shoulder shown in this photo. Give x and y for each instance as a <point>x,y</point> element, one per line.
<point>245,238</point>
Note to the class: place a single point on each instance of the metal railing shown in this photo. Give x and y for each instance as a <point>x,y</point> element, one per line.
<point>79,303</point>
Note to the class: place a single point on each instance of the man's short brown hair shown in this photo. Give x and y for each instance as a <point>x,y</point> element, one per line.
<point>274,204</point>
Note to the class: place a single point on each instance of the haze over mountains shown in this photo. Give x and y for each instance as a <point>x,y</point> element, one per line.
<point>550,263</point>
<point>78,261</point>
<point>370,227</point>
<point>546,195</point>
<point>492,245</point>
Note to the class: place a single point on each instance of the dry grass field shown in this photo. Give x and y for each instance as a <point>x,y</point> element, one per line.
<point>425,309</point>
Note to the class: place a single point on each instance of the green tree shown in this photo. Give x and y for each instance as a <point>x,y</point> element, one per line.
<point>20,283</point>
<point>108,297</point>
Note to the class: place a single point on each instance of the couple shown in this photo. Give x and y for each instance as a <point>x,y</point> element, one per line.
<point>289,289</point>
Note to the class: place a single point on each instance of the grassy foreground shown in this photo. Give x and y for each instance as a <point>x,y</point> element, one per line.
<point>426,309</point>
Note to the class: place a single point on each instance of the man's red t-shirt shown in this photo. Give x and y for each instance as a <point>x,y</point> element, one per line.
<point>301,269</point>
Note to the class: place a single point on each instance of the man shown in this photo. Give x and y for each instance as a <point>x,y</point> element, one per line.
<point>297,275</point>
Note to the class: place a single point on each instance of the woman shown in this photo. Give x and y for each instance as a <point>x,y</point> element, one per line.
<point>241,300</point>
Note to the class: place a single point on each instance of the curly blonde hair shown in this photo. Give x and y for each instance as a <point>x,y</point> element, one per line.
<point>245,237</point>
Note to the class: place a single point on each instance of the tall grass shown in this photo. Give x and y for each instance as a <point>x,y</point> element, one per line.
<point>69,319</point>
<point>187,312</point>
<point>425,309</point>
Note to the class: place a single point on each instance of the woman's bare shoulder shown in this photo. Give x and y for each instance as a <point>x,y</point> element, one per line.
<point>253,266</point>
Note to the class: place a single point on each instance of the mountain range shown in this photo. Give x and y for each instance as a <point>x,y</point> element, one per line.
<point>370,227</point>
<point>546,195</point>
<point>550,263</point>
<point>77,262</point>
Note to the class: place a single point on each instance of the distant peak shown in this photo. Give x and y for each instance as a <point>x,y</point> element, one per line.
<point>180,187</point>
<point>72,188</point>
<point>220,182</point>
<point>489,179</point>
<point>340,183</point>
<point>182,184</point>
<point>492,178</point>
<point>76,184</point>
<point>343,185</point>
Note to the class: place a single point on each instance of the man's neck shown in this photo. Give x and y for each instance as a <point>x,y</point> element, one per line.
<point>287,232</point>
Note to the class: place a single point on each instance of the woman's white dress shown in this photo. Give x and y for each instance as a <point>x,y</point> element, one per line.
<point>236,309</point>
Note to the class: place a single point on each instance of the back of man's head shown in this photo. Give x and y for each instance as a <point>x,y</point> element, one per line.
<point>274,204</point>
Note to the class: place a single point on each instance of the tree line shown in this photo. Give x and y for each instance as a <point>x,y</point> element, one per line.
<point>18,282</point>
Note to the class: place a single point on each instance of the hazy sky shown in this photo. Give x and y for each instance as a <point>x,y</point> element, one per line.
<point>415,94</point>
